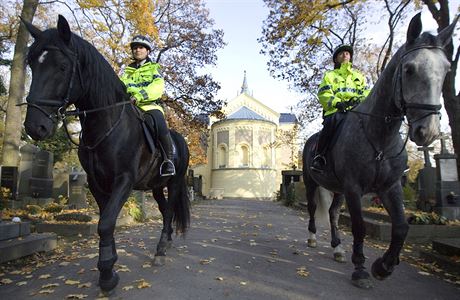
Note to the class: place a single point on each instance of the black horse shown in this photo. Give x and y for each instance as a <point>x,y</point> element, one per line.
<point>113,151</point>
<point>369,155</point>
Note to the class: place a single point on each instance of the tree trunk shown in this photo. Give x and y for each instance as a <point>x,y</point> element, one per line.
<point>16,91</point>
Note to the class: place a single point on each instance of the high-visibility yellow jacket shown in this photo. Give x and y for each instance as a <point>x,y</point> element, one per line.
<point>145,84</point>
<point>341,85</point>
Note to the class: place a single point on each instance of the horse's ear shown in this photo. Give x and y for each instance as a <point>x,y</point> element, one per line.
<point>64,29</point>
<point>34,31</point>
<point>445,35</point>
<point>415,28</point>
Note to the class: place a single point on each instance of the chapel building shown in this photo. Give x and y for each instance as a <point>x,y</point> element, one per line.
<point>248,150</point>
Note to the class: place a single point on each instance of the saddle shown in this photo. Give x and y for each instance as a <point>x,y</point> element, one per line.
<point>333,135</point>
<point>151,138</point>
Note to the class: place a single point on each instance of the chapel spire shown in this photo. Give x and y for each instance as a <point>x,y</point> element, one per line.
<point>244,87</point>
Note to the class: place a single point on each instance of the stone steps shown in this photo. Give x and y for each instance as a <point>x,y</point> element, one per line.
<point>381,230</point>
<point>26,245</point>
<point>445,253</point>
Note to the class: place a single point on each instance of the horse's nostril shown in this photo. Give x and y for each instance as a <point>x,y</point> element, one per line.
<point>420,132</point>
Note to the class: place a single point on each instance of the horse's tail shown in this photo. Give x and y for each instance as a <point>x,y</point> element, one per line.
<point>178,185</point>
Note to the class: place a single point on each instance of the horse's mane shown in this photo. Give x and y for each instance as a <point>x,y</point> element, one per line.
<point>102,85</point>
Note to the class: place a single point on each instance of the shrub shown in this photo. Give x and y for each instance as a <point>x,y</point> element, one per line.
<point>53,207</point>
<point>290,197</point>
<point>409,196</point>
<point>79,217</point>
<point>33,209</point>
<point>424,218</point>
<point>135,209</point>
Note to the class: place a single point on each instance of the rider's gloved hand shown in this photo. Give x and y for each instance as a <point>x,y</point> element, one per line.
<point>133,100</point>
<point>341,106</point>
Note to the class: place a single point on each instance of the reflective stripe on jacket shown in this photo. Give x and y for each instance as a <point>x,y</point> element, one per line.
<point>145,84</point>
<point>340,85</point>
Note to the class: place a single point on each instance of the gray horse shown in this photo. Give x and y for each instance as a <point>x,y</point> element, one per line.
<point>369,154</point>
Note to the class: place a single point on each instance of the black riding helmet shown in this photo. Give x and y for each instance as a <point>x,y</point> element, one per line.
<point>141,40</point>
<point>340,49</point>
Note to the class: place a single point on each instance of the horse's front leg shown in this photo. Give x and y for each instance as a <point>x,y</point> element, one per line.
<point>334,212</point>
<point>165,238</point>
<point>122,186</point>
<point>393,203</point>
<point>360,277</point>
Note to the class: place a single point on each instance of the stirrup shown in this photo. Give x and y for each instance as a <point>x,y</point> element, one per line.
<point>172,173</point>
<point>320,160</point>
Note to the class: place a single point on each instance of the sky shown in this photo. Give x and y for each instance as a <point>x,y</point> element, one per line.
<point>242,22</point>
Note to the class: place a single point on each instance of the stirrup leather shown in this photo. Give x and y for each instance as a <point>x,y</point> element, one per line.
<point>166,162</point>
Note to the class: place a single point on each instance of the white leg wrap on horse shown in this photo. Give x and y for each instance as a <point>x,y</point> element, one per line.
<point>339,249</point>
<point>311,236</point>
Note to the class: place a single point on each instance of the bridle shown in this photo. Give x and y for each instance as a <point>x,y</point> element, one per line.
<point>61,104</point>
<point>432,109</point>
<point>402,105</point>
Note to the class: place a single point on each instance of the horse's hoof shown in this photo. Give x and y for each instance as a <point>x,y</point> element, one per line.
<point>379,271</point>
<point>340,257</point>
<point>361,279</point>
<point>159,260</point>
<point>311,243</point>
<point>108,285</point>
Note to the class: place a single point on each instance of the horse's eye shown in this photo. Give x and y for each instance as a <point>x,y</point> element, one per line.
<point>63,67</point>
<point>409,69</point>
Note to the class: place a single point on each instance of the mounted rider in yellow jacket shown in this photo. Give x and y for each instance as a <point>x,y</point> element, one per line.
<point>145,85</point>
<point>340,90</point>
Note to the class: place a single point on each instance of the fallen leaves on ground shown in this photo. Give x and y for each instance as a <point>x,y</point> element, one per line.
<point>142,284</point>
<point>76,296</point>
<point>207,261</point>
<point>6,281</point>
<point>72,282</point>
<point>302,271</point>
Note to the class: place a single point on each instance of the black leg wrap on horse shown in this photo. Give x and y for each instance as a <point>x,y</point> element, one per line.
<point>107,258</point>
<point>335,242</point>
<point>379,270</point>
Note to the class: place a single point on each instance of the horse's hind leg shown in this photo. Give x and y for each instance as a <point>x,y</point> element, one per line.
<point>392,201</point>
<point>311,187</point>
<point>165,237</point>
<point>334,213</point>
<point>360,277</point>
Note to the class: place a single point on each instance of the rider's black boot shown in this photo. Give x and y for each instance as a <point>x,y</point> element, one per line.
<point>167,166</point>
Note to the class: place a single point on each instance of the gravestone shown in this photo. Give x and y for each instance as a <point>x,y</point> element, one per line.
<point>289,177</point>
<point>41,182</point>
<point>77,191</point>
<point>447,185</point>
<point>9,183</point>
<point>27,155</point>
<point>60,184</point>
<point>426,183</point>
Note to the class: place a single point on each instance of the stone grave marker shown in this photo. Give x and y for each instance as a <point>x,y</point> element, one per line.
<point>426,183</point>
<point>447,185</point>
<point>27,154</point>
<point>77,191</point>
